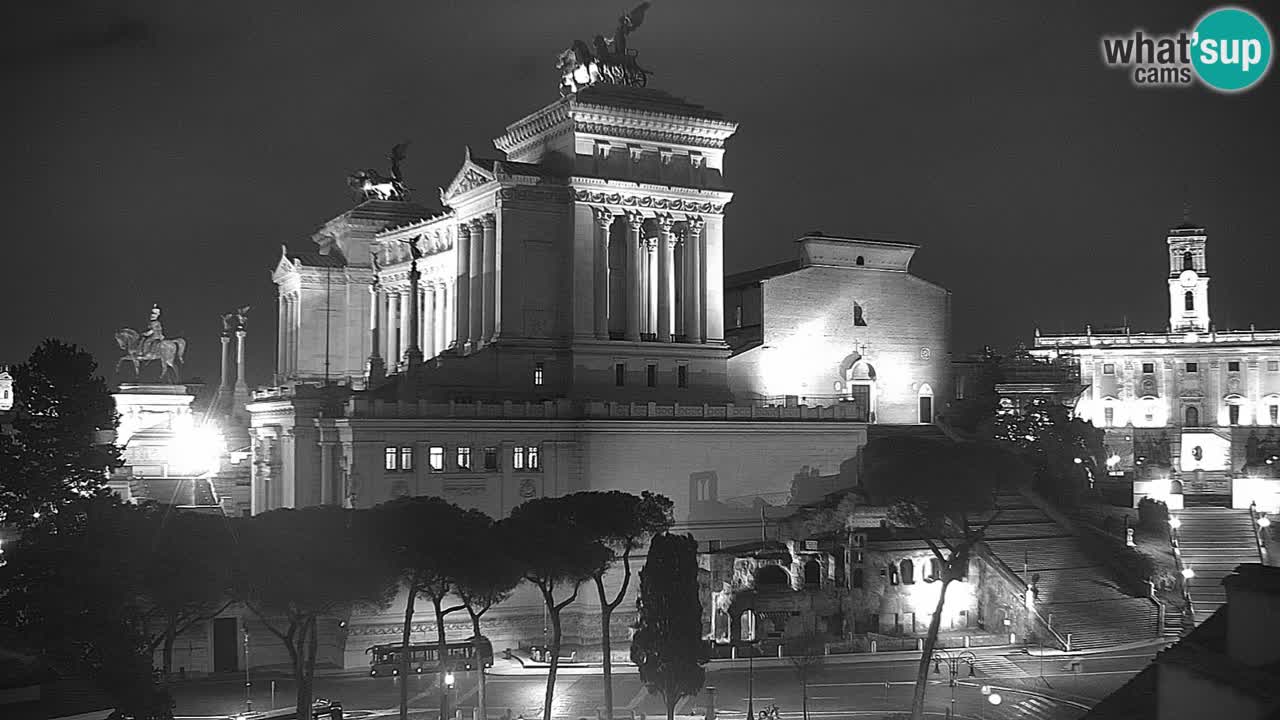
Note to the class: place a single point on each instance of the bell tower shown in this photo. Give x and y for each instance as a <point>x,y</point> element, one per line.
<point>1188,279</point>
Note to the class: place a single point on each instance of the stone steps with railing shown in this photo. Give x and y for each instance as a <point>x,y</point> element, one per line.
<point>1213,542</point>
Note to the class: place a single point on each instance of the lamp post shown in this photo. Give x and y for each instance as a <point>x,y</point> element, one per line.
<point>751,668</point>
<point>248,698</point>
<point>953,662</point>
<point>448,694</point>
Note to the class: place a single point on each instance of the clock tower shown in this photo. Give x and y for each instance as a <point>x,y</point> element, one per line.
<point>1188,279</point>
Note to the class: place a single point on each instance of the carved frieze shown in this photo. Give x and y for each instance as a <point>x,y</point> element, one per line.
<point>650,134</point>
<point>648,202</point>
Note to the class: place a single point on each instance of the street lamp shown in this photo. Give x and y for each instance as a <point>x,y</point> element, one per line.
<point>1188,573</point>
<point>953,662</point>
<point>248,699</point>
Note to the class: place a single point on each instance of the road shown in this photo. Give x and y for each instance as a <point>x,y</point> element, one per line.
<point>1030,687</point>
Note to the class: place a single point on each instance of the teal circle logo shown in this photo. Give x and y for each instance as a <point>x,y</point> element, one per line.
<point>1231,49</point>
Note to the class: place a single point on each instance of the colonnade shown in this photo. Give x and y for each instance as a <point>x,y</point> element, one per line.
<point>392,311</point>
<point>663,302</point>
<point>290,309</point>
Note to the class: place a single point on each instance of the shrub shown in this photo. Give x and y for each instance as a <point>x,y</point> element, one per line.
<point>1153,514</point>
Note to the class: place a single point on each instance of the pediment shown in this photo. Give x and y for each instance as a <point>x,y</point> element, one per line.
<point>284,267</point>
<point>470,176</point>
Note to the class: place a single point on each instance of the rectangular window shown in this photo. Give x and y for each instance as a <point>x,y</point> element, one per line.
<point>1193,367</point>
<point>1273,366</point>
<point>537,373</point>
<point>1108,369</point>
<point>464,458</point>
<point>531,458</point>
<point>651,375</point>
<point>1148,368</point>
<point>517,458</point>
<point>406,459</point>
<point>491,458</point>
<point>390,458</point>
<point>436,458</point>
<point>737,316</point>
<point>1108,417</point>
<point>1233,414</point>
<point>620,374</point>
<point>1233,366</point>
<point>1274,411</point>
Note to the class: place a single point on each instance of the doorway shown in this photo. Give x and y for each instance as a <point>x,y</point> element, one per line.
<point>225,645</point>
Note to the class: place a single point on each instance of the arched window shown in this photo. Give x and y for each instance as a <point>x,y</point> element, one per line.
<point>1189,300</point>
<point>1188,261</point>
<point>812,573</point>
<point>908,572</point>
<point>1175,487</point>
<point>924,399</point>
<point>771,576</point>
<point>860,261</point>
<point>858,318</point>
<point>1192,415</point>
<point>857,577</point>
<point>935,570</point>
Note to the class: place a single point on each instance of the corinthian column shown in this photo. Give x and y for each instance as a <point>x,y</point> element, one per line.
<point>462,297</point>
<point>666,277</point>
<point>282,337</point>
<point>429,347</point>
<point>693,265</point>
<point>377,370</point>
<point>475,322</point>
<point>393,327</point>
<point>604,221</point>
<point>634,224</point>
<point>490,225</point>
<point>412,323</point>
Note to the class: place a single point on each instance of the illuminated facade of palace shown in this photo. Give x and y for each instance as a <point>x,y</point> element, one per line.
<point>561,325</point>
<point>1193,412</point>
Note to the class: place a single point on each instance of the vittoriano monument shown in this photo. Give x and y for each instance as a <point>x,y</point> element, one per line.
<point>372,185</point>
<point>607,60</point>
<point>150,345</point>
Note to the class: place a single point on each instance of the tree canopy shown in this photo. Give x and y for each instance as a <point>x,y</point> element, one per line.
<point>668,647</point>
<point>58,450</point>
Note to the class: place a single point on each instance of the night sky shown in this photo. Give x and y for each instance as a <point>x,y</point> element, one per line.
<point>162,152</point>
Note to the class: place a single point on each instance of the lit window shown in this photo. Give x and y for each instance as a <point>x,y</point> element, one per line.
<point>1109,369</point>
<point>651,375</point>
<point>491,458</point>
<point>1193,367</point>
<point>517,458</point>
<point>1273,366</point>
<point>406,458</point>
<point>620,374</point>
<point>1108,417</point>
<point>1274,411</point>
<point>390,458</point>
<point>532,459</point>
<point>1233,366</point>
<point>537,373</point>
<point>464,458</point>
<point>1148,368</point>
<point>436,458</point>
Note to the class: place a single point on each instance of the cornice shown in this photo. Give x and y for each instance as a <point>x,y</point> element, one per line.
<point>643,196</point>
<point>535,126</point>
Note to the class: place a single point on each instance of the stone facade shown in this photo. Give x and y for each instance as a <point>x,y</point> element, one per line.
<point>846,323</point>
<point>1193,411</point>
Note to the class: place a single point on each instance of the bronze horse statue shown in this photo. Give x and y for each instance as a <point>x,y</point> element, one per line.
<point>168,352</point>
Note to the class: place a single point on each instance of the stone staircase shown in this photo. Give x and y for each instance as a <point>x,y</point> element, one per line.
<point>1077,593</point>
<point>1213,541</point>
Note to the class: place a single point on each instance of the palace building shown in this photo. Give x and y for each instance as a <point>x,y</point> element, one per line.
<point>1192,413</point>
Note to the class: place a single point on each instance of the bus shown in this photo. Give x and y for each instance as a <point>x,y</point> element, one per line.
<point>469,654</point>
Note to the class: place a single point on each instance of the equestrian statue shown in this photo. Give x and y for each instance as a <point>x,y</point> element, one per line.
<point>150,345</point>
<point>606,60</point>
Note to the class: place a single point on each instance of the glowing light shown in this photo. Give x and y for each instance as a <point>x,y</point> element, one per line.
<point>195,450</point>
<point>994,698</point>
<point>1264,522</point>
<point>1175,522</point>
<point>1078,461</point>
<point>1113,461</point>
<point>448,679</point>
<point>1188,573</point>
